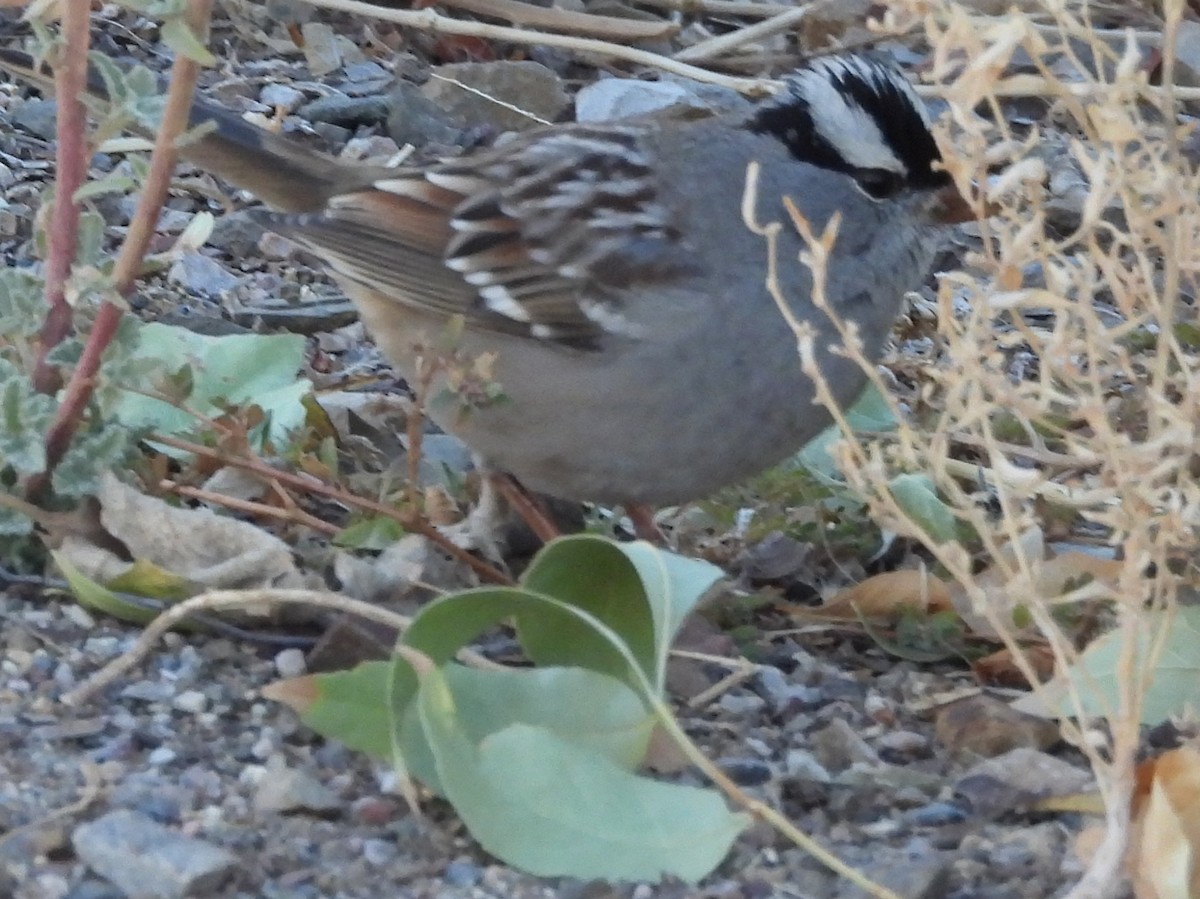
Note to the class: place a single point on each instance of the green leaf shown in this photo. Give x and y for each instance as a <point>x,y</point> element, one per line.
<point>555,808</point>
<point>176,34</point>
<point>89,456</point>
<point>638,590</point>
<point>576,705</point>
<point>596,575</point>
<point>870,412</point>
<point>450,622</point>
<point>348,706</point>
<point>24,418</point>
<point>22,305</point>
<point>1171,686</point>
<point>93,596</point>
<point>14,523</point>
<point>227,370</point>
<point>378,532</point>
<point>112,183</point>
<point>918,498</point>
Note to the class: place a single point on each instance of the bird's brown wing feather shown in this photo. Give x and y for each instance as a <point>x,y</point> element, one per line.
<point>541,237</point>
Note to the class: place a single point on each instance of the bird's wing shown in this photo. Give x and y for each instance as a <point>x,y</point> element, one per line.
<point>543,236</point>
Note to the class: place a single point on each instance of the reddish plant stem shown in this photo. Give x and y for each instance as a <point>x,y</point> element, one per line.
<point>70,171</point>
<point>141,228</point>
<point>184,73</point>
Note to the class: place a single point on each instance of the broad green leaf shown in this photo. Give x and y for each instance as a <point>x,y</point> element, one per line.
<point>450,622</point>
<point>352,707</point>
<point>673,585</point>
<point>916,495</point>
<point>1172,685</point>
<point>596,575</point>
<point>235,369</point>
<point>640,591</point>
<point>869,412</point>
<point>555,808</point>
<point>22,305</point>
<point>348,706</point>
<point>579,706</point>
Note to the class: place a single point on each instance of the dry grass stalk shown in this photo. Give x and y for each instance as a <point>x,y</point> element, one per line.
<point>1075,336</point>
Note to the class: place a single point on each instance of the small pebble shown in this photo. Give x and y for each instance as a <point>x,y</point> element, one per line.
<point>161,756</point>
<point>745,771</point>
<point>936,814</point>
<point>461,874</point>
<point>290,663</point>
<point>191,701</point>
<point>379,852</point>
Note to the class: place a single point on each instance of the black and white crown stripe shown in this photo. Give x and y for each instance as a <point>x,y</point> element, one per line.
<point>855,114</point>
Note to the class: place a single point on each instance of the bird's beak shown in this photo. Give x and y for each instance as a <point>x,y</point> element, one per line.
<point>950,207</point>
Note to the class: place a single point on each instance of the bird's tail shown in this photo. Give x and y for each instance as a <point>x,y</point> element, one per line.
<point>284,174</point>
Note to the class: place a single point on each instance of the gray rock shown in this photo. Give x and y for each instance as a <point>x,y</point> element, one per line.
<point>38,117</point>
<point>236,234</point>
<point>281,96</point>
<point>839,746</point>
<point>508,95</point>
<point>417,120</point>
<point>93,889</point>
<point>622,98</point>
<point>146,859</point>
<point>800,764</point>
<point>746,772</point>
<point>290,790</point>
<point>918,872</point>
<point>201,274</point>
<point>462,874</point>
<point>346,112</point>
<point>1017,777</point>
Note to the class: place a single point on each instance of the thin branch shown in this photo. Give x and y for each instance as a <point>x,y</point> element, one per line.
<point>431,21</point>
<point>71,158</point>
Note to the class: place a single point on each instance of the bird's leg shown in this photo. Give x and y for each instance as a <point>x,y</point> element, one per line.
<point>528,506</point>
<point>644,525</point>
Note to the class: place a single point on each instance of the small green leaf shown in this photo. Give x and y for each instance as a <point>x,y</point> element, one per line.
<point>98,598</point>
<point>378,532</point>
<point>176,34</point>
<point>348,706</point>
<point>22,305</point>
<point>870,412</point>
<point>917,497</point>
<point>113,183</point>
<point>24,417</point>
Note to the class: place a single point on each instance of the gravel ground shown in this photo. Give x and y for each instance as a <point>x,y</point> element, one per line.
<point>182,780</point>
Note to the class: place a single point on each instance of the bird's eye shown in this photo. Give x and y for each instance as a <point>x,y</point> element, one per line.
<point>879,183</point>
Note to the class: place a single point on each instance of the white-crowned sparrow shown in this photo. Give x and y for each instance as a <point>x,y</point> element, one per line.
<point>609,270</point>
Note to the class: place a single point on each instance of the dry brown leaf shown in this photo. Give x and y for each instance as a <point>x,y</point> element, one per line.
<point>1166,835</point>
<point>999,669</point>
<point>885,595</point>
